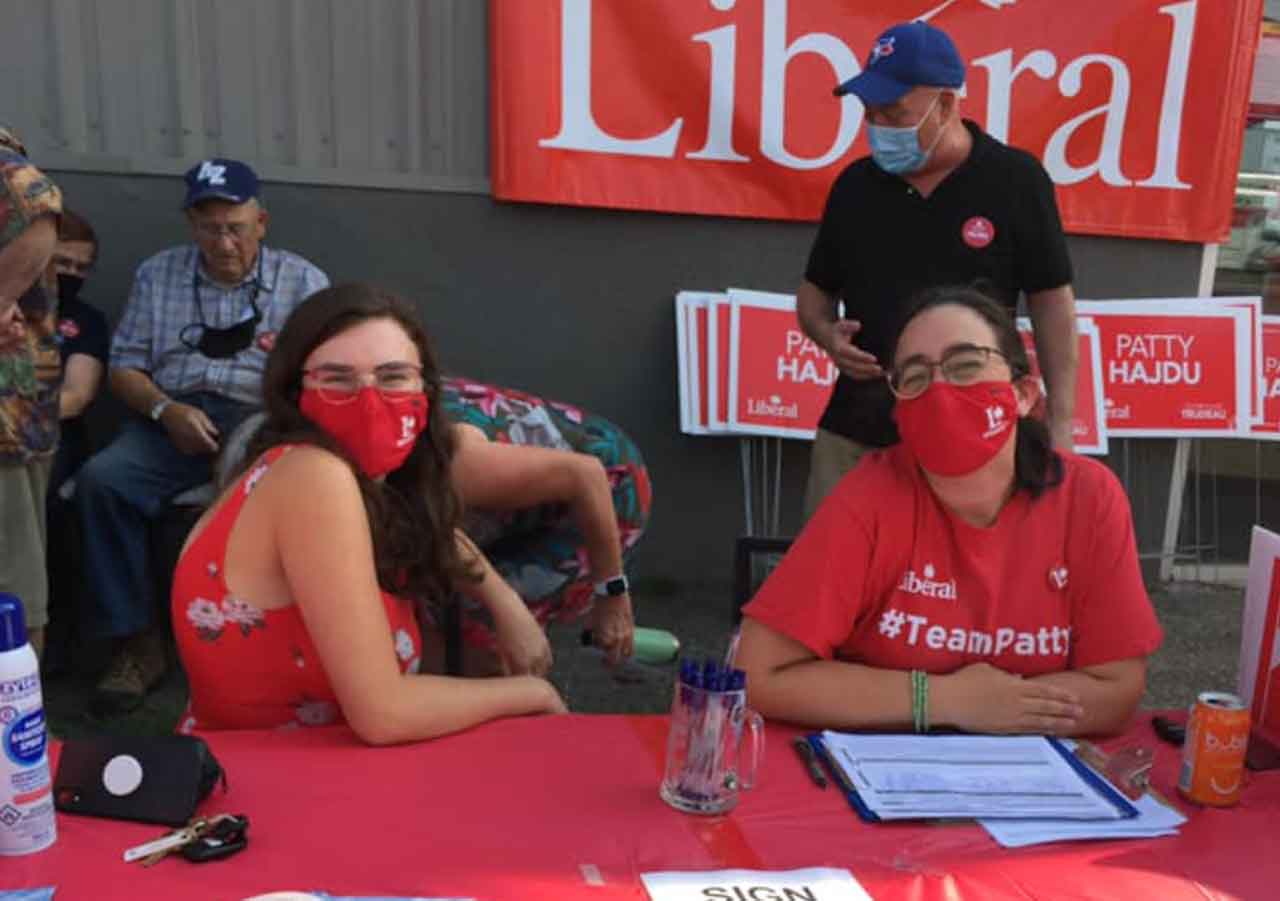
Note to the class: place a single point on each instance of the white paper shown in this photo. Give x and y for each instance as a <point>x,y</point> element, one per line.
<point>1153,820</point>
<point>965,776</point>
<point>820,883</point>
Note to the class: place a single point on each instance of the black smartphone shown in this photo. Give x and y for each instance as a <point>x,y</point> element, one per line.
<point>1167,729</point>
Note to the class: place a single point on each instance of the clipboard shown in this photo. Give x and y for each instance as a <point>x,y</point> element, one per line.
<point>1101,786</point>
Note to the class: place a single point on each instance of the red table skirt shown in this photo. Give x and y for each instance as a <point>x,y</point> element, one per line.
<point>516,809</point>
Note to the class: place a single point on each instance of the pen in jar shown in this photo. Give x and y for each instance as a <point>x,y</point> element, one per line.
<point>810,760</point>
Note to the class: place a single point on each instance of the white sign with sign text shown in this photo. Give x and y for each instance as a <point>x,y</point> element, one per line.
<point>815,884</point>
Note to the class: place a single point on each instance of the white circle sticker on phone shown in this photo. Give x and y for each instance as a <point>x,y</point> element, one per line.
<point>122,775</point>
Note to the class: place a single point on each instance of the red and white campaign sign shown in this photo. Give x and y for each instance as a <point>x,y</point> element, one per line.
<point>780,380</point>
<point>690,352</point>
<point>1088,421</point>
<point>1258,682</point>
<point>703,361</point>
<point>1269,371</point>
<point>1254,306</point>
<point>1174,368</point>
<point>724,107</point>
<point>719,363</point>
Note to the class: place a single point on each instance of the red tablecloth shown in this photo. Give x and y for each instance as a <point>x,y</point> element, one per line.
<point>514,809</point>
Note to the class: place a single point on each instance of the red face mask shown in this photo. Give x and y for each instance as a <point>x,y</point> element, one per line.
<point>954,430</point>
<point>377,432</point>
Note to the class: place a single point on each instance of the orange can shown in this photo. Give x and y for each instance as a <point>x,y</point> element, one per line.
<point>1213,753</point>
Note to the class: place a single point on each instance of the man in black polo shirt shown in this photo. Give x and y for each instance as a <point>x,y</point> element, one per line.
<point>938,202</point>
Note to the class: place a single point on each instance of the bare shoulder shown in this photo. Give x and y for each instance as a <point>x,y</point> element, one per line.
<point>310,475</point>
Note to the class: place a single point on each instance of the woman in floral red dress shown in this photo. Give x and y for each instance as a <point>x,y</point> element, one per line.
<point>296,599</point>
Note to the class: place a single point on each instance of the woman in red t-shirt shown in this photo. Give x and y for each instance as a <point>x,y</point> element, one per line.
<point>970,577</point>
<point>294,601</point>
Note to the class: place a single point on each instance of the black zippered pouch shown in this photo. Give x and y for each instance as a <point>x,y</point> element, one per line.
<point>150,779</point>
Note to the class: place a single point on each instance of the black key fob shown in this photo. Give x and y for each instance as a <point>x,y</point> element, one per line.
<point>222,840</point>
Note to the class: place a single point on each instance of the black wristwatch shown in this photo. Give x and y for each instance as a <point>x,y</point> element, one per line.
<point>611,588</point>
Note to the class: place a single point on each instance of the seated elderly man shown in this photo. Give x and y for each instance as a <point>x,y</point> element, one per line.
<point>29,373</point>
<point>187,358</point>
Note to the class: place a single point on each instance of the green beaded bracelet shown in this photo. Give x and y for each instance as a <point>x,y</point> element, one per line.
<point>920,700</point>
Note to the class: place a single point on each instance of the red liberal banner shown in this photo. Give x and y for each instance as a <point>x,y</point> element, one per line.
<point>1137,108</point>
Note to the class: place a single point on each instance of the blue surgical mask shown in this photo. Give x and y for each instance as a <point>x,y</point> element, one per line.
<point>898,150</point>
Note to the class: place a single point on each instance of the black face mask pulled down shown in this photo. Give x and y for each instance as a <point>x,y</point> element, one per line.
<point>69,287</point>
<point>220,343</point>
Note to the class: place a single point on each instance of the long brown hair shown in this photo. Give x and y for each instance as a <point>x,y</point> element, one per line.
<point>412,513</point>
<point>1036,465</point>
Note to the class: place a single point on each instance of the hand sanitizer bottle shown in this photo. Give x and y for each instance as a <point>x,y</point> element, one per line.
<point>26,799</point>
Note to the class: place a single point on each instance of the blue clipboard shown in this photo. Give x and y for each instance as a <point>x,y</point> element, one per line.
<point>1105,789</point>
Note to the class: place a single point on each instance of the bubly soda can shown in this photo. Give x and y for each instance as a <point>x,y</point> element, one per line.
<point>1213,753</point>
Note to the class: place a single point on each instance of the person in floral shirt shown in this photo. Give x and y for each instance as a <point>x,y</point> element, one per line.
<point>558,497</point>
<point>30,374</point>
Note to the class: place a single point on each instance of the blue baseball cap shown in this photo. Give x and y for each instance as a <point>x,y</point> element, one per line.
<point>220,179</point>
<point>904,57</point>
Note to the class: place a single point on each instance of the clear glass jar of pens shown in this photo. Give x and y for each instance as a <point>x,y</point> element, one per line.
<point>709,720</point>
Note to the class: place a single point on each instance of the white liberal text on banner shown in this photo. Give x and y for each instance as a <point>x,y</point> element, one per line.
<point>1137,109</point>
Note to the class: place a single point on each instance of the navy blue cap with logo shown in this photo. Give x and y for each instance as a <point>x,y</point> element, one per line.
<point>904,57</point>
<point>220,179</point>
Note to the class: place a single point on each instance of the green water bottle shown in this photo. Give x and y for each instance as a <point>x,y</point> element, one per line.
<point>654,647</point>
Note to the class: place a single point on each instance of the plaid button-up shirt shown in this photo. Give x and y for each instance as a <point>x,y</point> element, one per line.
<point>163,303</point>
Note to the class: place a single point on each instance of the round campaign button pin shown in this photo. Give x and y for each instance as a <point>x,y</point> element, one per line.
<point>266,341</point>
<point>68,328</point>
<point>978,232</point>
<point>122,775</point>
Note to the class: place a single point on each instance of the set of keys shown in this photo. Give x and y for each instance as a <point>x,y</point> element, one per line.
<point>203,839</point>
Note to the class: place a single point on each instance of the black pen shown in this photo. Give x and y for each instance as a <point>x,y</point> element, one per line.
<point>810,761</point>
<point>841,777</point>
